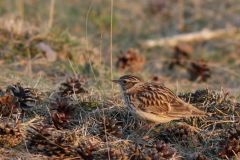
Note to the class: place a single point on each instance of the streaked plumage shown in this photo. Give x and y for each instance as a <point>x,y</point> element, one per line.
<point>153,102</point>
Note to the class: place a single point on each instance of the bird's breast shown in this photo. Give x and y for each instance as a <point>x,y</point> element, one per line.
<point>129,100</point>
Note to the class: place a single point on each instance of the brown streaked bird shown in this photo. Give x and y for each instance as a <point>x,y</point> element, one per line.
<point>153,102</point>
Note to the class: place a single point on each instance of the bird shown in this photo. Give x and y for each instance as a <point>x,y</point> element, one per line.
<point>154,103</point>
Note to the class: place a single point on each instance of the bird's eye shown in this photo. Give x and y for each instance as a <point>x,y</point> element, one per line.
<point>124,81</point>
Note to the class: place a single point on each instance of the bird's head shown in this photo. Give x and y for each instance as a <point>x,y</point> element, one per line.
<point>127,82</point>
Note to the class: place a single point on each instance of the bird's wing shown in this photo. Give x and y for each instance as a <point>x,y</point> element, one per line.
<point>158,99</point>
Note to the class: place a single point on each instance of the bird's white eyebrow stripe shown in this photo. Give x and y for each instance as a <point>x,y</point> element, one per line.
<point>129,77</point>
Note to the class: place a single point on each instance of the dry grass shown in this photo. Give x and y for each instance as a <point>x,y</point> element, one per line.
<point>63,29</point>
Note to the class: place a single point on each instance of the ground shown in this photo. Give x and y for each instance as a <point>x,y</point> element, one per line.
<point>33,32</point>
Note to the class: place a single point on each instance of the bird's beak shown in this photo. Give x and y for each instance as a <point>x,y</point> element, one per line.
<point>116,81</point>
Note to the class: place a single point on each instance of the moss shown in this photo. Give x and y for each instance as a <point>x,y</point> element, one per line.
<point>89,106</point>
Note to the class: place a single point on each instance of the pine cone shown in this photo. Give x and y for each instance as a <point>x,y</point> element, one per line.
<point>10,135</point>
<point>57,148</point>
<point>158,151</point>
<point>110,125</point>
<point>24,96</point>
<point>233,132</point>
<point>182,52</point>
<point>220,102</point>
<point>70,137</point>
<point>199,96</point>
<point>161,151</point>
<point>113,154</point>
<point>231,149</point>
<point>184,134</point>
<point>159,7</point>
<point>38,137</point>
<point>136,152</point>
<point>86,149</point>
<point>64,111</point>
<point>199,69</point>
<point>43,139</point>
<point>72,86</point>
<point>130,61</point>
<point>8,105</point>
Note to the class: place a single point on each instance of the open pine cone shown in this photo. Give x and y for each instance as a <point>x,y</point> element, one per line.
<point>220,102</point>
<point>161,151</point>
<point>110,125</point>
<point>72,86</point>
<point>59,149</point>
<point>181,53</point>
<point>86,149</point>
<point>131,61</point>
<point>10,135</point>
<point>138,152</point>
<point>199,69</point>
<point>184,134</point>
<point>43,139</point>
<point>8,105</point>
<point>231,149</point>
<point>63,113</point>
<point>113,154</point>
<point>24,96</point>
<point>158,151</point>
<point>38,136</point>
<point>199,96</point>
<point>233,132</point>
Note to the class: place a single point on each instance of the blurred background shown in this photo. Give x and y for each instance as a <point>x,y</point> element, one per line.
<point>184,44</point>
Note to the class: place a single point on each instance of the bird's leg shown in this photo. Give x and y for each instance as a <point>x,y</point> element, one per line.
<point>143,127</point>
<point>149,130</point>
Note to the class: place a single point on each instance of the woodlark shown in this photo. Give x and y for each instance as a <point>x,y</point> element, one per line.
<point>154,103</point>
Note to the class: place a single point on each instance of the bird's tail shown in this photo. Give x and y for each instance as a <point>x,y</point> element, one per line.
<point>196,111</point>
